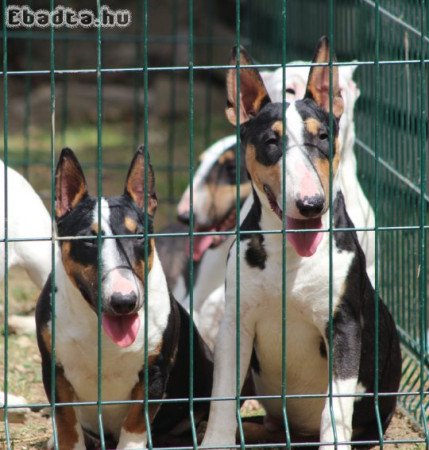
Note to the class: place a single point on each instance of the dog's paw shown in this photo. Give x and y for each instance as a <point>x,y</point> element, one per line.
<point>250,406</point>
<point>128,440</point>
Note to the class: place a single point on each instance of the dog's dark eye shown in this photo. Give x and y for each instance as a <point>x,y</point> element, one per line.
<point>271,141</point>
<point>290,91</point>
<point>92,242</point>
<point>323,135</point>
<point>89,243</point>
<point>140,240</point>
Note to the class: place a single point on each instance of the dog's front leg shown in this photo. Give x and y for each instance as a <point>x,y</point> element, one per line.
<point>133,431</point>
<point>69,430</point>
<point>346,358</point>
<point>222,423</point>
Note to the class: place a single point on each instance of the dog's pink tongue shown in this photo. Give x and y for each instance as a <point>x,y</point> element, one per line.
<point>121,329</point>
<point>201,244</point>
<point>305,244</point>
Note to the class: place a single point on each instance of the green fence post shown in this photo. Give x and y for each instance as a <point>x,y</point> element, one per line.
<point>6,230</point>
<point>99,230</point>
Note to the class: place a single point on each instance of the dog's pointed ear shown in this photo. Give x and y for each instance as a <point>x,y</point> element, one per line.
<point>135,184</point>
<point>70,183</point>
<point>318,81</point>
<point>253,94</point>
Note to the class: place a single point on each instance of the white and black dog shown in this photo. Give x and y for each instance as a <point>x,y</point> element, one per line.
<point>214,201</point>
<point>123,267</point>
<point>306,186</point>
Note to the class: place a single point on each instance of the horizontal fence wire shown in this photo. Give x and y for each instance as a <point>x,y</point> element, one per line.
<point>388,42</point>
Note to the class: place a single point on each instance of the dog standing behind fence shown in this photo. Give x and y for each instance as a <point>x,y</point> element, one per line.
<point>123,277</point>
<point>309,288</point>
<point>27,218</point>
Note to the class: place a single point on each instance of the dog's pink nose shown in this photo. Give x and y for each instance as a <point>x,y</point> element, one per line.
<point>120,284</point>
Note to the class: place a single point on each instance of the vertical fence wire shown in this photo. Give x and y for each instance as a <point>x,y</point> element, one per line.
<point>6,227</point>
<point>331,348</point>
<point>191,104</point>
<point>422,217</point>
<point>65,89</point>
<point>237,226</point>
<point>209,77</point>
<point>99,230</point>
<point>283,235</point>
<point>147,415</point>
<point>377,142</point>
<point>27,89</point>
<point>53,273</point>
<point>172,112</point>
<point>138,57</point>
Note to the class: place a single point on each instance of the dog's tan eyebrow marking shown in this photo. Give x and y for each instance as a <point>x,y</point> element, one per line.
<point>277,127</point>
<point>130,224</point>
<point>312,125</point>
<point>94,228</point>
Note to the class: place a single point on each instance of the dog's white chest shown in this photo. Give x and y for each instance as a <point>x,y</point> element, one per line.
<point>307,314</point>
<point>77,353</point>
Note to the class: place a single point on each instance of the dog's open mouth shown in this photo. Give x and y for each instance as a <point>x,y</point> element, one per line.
<point>121,329</point>
<point>305,243</point>
<point>202,243</point>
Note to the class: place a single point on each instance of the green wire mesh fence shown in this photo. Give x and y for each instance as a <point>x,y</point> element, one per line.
<point>160,82</point>
<point>394,146</point>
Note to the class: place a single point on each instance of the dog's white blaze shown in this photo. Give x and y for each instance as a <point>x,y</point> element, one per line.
<point>301,180</point>
<point>132,440</point>
<point>342,414</point>
<point>294,126</point>
<point>300,176</point>
<point>116,277</point>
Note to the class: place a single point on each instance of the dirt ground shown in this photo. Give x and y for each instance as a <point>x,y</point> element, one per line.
<point>24,378</point>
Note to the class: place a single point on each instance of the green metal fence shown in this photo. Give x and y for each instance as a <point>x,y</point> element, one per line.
<point>390,41</point>
<point>172,69</point>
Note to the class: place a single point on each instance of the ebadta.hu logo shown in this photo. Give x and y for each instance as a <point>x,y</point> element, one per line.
<point>61,16</point>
